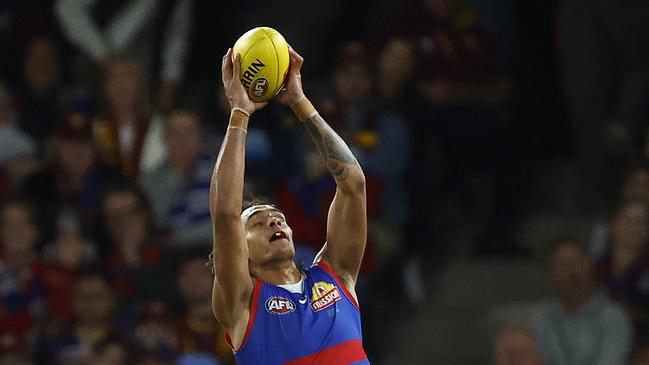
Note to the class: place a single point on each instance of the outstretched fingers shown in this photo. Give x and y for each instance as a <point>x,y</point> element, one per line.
<point>226,67</point>
<point>296,60</point>
<point>236,69</point>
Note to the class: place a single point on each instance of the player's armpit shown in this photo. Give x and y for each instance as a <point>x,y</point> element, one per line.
<point>346,234</point>
<point>234,323</point>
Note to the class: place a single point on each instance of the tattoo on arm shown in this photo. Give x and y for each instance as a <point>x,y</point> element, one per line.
<point>338,158</point>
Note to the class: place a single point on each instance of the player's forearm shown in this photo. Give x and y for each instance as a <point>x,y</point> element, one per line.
<point>226,190</point>
<point>229,251</point>
<point>338,158</point>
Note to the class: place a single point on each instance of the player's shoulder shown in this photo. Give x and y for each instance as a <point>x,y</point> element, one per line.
<point>316,265</point>
<point>321,269</point>
<point>314,268</point>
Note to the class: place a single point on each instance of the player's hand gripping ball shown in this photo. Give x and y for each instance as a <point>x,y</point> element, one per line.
<point>264,62</point>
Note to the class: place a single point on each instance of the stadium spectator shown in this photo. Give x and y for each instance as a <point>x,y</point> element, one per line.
<point>395,86</point>
<point>73,178</point>
<point>40,96</point>
<point>516,345</point>
<point>93,323</point>
<point>21,23</point>
<point>398,107</point>
<point>17,159</point>
<point>22,294</point>
<point>569,331</point>
<point>634,189</point>
<point>380,138</point>
<point>465,92</point>
<point>136,259</point>
<point>178,188</point>
<point>394,76</point>
<point>198,332</point>
<point>154,338</point>
<point>624,267</point>
<point>128,137</point>
<point>64,256</point>
<point>459,63</point>
<point>102,29</point>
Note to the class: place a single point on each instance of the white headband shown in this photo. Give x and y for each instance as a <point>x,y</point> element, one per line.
<point>248,212</point>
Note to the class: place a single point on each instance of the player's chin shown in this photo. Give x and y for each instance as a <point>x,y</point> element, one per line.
<point>282,247</point>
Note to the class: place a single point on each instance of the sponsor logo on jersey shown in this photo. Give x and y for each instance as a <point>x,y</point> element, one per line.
<point>323,295</point>
<point>279,305</point>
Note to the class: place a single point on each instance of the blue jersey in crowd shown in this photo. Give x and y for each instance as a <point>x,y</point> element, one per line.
<point>320,326</point>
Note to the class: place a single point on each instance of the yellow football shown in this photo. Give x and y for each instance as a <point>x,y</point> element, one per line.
<point>264,62</point>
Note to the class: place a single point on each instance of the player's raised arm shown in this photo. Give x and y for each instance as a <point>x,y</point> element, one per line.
<point>347,219</point>
<point>232,283</point>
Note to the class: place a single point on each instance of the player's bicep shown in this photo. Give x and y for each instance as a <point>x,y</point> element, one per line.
<point>232,281</point>
<point>346,234</point>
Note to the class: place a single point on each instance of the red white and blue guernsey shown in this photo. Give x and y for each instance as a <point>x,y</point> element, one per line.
<point>322,325</point>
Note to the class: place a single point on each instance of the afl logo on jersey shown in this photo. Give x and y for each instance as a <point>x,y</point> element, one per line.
<point>279,305</point>
<point>323,295</point>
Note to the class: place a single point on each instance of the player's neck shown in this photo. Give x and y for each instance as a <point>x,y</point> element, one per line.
<point>285,272</point>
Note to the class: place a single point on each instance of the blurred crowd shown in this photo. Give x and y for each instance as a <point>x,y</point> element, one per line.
<point>600,313</point>
<point>112,113</point>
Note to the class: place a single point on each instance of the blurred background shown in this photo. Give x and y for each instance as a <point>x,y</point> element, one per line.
<point>504,143</point>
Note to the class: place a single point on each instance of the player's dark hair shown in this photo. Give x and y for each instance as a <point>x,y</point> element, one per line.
<point>248,201</point>
<point>253,199</point>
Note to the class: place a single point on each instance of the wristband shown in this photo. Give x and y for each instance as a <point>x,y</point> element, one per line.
<point>239,117</point>
<point>237,127</point>
<point>303,109</point>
